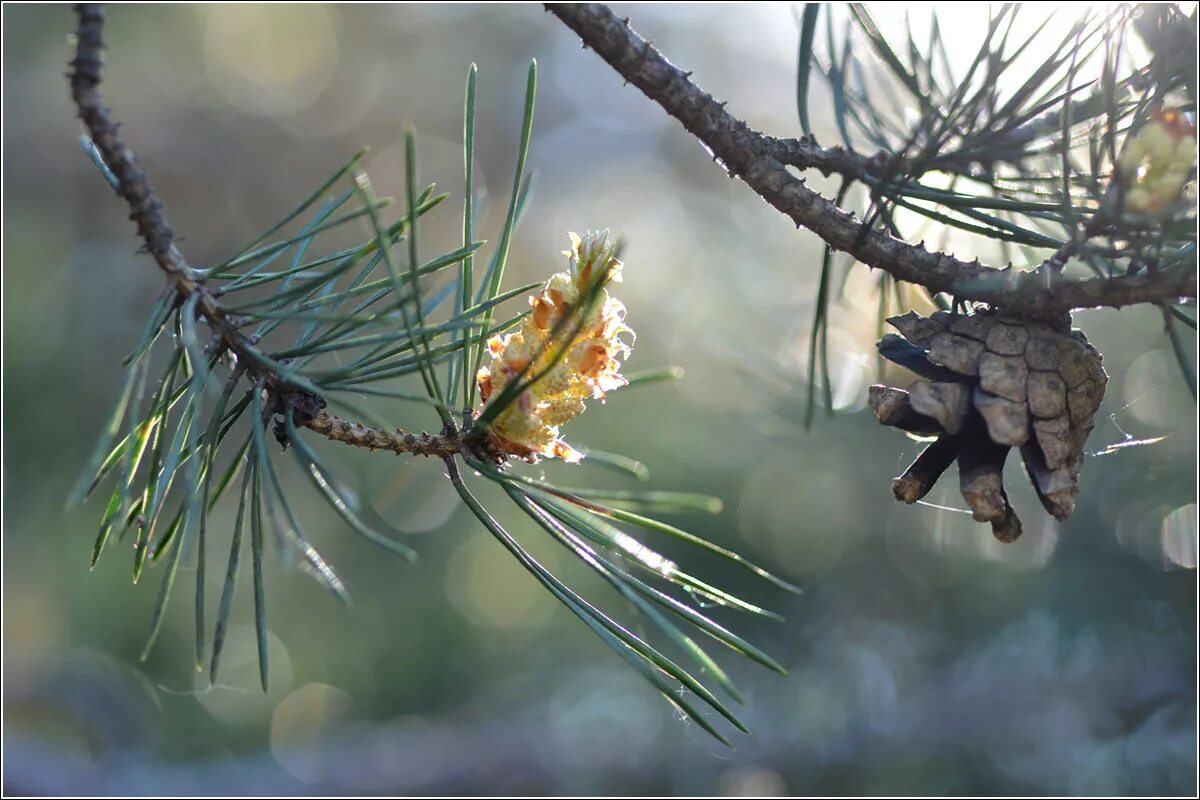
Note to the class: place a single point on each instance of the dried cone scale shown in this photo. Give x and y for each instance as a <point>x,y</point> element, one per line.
<point>990,381</point>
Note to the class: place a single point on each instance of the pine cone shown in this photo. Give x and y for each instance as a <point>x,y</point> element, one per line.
<point>991,381</point>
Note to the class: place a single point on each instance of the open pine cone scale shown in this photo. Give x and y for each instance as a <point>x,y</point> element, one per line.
<point>990,381</point>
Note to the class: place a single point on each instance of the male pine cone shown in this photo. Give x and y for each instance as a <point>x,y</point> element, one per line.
<point>991,381</point>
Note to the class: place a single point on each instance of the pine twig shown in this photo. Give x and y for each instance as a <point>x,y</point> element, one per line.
<point>756,159</point>
<point>284,398</point>
<point>355,433</point>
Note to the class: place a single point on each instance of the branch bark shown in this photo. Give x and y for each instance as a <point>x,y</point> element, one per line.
<point>759,161</point>
<point>146,210</point>
<point>355,433</point>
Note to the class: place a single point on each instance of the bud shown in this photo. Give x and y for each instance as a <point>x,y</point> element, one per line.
<point>529,426</point>
<point>1155,163</point>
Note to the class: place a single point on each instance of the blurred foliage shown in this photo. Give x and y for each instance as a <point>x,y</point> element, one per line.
<point>923,657</point>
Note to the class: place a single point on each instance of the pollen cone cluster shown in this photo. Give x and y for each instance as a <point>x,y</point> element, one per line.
<point>990,382</point>
<point>573,310</point>
<point>1157,162</point>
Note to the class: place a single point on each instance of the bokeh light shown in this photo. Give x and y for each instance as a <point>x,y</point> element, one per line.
<point>1179,536</point>
<point>490,590</point>
<point>270,60</point>
<point>302,724</point>
<point>923,656</point>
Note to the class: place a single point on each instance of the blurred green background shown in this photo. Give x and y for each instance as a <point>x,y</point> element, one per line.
<point>923,656</point>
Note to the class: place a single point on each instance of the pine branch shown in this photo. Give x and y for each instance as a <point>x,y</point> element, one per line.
<point>146,210</point>
<point>759,160</point>
<point>285,390</point>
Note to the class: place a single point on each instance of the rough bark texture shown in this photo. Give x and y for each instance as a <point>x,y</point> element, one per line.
<point>359,435</point>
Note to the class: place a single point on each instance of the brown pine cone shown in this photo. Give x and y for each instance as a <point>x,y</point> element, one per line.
<point>990,381</point>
